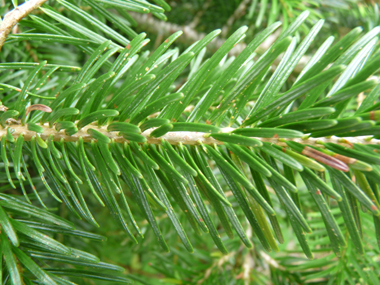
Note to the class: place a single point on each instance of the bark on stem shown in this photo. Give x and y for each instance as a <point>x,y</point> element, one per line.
<point>14,16</point>
<point>174,138</point>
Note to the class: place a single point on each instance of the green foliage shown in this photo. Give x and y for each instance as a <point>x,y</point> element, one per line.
<point>196,169</point>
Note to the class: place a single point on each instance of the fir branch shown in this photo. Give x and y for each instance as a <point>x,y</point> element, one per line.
<point>175,165</point>
<point>14,16</point>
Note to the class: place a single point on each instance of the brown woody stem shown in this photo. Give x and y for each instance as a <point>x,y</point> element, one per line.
<point>14,16</point>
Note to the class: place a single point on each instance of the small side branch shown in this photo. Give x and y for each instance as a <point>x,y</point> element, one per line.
<point>148,23</point>
<point>14,16</point>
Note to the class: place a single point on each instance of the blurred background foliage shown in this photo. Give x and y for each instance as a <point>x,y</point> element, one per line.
<point>204,16</point>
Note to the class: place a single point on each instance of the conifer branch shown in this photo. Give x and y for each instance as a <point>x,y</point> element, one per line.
<point>145,135</point>
<point>14,16</point>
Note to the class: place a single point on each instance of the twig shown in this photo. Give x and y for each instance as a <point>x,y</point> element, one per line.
<point>199,15</point>
<point>174,138</point>
<point>239,12</point>
<point>147,23</point>
<point>271,261</point>
<point>14,16</point>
